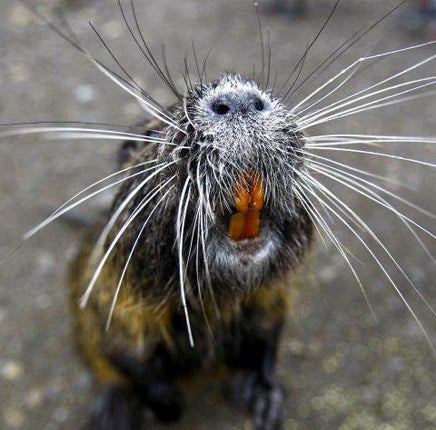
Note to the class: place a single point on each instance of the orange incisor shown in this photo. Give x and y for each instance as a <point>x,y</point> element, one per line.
<point>249,196</point>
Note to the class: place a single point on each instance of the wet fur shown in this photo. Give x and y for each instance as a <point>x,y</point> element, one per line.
<point>136,342</point>
<point>236,304</point>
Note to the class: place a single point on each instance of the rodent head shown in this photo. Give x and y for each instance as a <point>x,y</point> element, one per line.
<point>241,158</point>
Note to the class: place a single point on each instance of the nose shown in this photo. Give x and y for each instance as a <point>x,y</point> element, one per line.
<point>230,104</point>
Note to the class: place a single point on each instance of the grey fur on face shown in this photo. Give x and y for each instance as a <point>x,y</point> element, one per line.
<point>228,129</point>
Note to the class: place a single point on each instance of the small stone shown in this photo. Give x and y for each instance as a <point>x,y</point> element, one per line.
<point>132,109</point>
<point>13,417</point>
<point>19,16</point>
<point>314,347</point>
<point>429,413</point>
<point>392,345</point>
<point>43,301</point>
<point>46,263</point>
<point>112,29</point>
<point>18,72</point>
<point>296,348</point>
<point>360,352</point>
<point>332,364</point>
<point>375,344</point>
<point>33,398</point>
<point>61,415</point>
<point>291,424</point>
<point>11,371</point>
<point>85,93</point>
<point>327,274</point>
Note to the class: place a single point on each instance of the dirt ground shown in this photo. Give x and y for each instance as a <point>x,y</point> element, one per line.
<point>343,370</point>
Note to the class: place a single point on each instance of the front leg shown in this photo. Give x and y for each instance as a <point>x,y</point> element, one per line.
<point>117,408</point>
<point>257,389</point>
<point>139,384</point>
<point>153,382</point>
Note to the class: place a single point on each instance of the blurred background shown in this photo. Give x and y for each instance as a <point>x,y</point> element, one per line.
<point>343,370</point>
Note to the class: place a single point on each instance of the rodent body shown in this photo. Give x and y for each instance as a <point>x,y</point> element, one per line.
<point>138,341</point>
<point>138,351</point>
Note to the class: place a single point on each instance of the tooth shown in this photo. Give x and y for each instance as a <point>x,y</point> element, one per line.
<point>257,195</point>
<point>249,196</point>
<point>251,227</point>
<point>236,226</point>
<point>242,197</point>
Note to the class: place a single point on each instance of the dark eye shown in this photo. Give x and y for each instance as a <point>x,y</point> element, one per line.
<point>259,105</point>
<point>220,108</point>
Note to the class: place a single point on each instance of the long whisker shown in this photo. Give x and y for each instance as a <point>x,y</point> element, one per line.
<point>338,203</point>
<point>145,100</point>
<point>197,228</point>
<point>366,173</point>
<point>123,273</point>
<point>147,52</point>
<point>378,187</point>
<point>353,98</point>
<point>311,44</point>
<point>29,234</point>
<point>181,215</point>
<point>377,104</point>
<point>311,117</point>
<point>117,213</point>
<point>331,92</point>
<point>331,172</point>
<point>354,64</point>
<point>144,103</point>
<point>332,175</point>
<point>122,68</point>
<point>79,133</point>
<point>358,221</point>
<point>344,47</point>
<point>204,204</point>
<point>46,123</point>
<point>310,207</point>
<point>363,139</point>
<point>380,154</point>
<point>67,208</point>
<point>85,297</point>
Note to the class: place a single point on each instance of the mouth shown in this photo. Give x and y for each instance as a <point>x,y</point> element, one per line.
<point>249,196</point>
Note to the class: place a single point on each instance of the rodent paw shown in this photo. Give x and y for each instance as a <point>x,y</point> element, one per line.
<point>264,401</point>
<point>116,409</point>
<point>166,401</point>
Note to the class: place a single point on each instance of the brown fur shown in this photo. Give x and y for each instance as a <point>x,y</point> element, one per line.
<point>140,323</point>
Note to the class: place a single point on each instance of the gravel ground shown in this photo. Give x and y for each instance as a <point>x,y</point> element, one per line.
<point>343,370</point>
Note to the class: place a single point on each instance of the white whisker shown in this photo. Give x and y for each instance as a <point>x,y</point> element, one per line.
<point>85,297</point>
<point>330,172</point>
<point>380,154</point>
<point>357,62</point>
<point>149,107</point>
<point>59,212</point>
<point>377,198</point>
<point>343,208</point>
<point>337,244</point>
<point>117,213</point>
<point>353,98</point>
<point>378,187</point>
<point>363,139</point>
<point>180,224</point>
<point>69,132</point>
<point>124,271</point>
<point>375,104</point>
